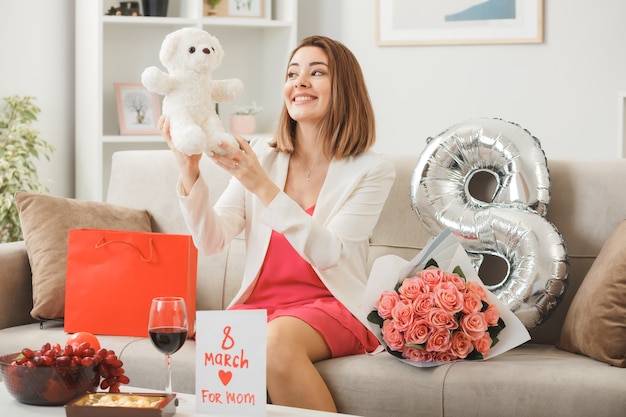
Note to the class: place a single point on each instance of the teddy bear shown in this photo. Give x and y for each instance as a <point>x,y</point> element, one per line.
<point>190,55</point>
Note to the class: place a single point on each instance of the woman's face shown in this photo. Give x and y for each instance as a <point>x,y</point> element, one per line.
<point>307,90</point>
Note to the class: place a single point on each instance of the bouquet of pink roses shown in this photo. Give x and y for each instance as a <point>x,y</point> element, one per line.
<point>434,309</point>
<point>437,316</point>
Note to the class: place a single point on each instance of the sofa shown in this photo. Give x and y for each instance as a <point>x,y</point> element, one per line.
<point>535,379</point>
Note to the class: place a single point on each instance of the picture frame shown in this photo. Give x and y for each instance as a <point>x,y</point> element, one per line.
<point>249,8</point>
<point>138,110</point>
<point>454,22</point>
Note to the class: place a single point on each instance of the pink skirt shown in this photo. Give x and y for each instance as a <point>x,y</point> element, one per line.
<point>344,334</point>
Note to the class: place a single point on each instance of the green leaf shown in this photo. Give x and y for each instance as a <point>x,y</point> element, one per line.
<point>395,353</point>
<point>420,346</point>
<point>457,270</point>
<point>431,262</point>
<point>373,317</point>
<point>494,331</point>
<point>474,356</point>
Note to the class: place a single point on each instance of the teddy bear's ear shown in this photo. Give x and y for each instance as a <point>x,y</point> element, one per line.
<point>169,47</point>
<point>219,51</point>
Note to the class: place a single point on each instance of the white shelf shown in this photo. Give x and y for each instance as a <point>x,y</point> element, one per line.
<point>116,49</point>
<point>205,21</point>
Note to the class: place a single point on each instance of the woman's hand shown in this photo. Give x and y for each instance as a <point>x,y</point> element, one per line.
<point>189,165</point>
<point>241,161</point>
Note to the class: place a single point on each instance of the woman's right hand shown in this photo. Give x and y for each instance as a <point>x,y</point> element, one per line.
<point>189,165</point>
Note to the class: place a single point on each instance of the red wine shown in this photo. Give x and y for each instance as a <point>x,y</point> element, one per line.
<point>168,339</point>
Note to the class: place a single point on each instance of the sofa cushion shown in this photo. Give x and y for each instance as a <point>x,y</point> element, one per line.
<point>595,324</point>
<point>45,222</point>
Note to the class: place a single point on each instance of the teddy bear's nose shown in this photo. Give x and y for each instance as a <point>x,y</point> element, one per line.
<point>206,51</point>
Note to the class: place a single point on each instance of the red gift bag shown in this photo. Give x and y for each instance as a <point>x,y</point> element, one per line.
<point>112,277</point>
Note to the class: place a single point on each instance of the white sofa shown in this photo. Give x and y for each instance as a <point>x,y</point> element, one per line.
<point>535,379</point>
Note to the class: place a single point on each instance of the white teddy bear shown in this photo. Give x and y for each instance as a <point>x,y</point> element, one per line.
<point>190,55</point>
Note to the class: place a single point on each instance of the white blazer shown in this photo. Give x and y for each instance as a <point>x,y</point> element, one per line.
<point>334,240</point>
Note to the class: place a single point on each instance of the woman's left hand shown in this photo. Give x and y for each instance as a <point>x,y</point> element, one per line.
<point>241,161</point>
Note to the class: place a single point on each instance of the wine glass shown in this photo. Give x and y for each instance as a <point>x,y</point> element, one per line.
<point>167,327</point>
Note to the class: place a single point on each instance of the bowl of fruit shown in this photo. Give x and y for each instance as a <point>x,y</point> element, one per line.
<point>55,374</point>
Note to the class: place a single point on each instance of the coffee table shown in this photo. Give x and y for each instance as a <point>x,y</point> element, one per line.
<point>187,407</point>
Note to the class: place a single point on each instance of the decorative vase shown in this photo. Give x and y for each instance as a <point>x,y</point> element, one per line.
<point>211,8</point>
<point>242,124</point>
<point>154,7</point>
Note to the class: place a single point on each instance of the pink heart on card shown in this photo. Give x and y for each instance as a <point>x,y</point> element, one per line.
<point>225,376</point>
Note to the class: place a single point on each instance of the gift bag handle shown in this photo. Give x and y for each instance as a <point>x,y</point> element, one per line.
<point>102,243</point>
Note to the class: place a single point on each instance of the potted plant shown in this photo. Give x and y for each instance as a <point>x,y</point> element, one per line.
<point>243,121</point>
<point>212,3</point>
<point>20,146</point>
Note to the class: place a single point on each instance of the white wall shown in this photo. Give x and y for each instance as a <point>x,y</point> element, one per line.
<point>564,91</point>
<point>37,59</point>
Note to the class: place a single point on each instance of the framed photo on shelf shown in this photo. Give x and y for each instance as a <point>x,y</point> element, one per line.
<point>249,8</point>
<point>458,22</point>
<point>138,110</point>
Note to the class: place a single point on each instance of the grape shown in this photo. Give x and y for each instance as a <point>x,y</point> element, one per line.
<point>108,366</point>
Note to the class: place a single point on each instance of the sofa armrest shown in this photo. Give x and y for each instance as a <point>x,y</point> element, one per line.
<point>16,297</point>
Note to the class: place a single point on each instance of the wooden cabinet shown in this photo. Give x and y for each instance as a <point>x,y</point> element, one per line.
<point>116,49</point>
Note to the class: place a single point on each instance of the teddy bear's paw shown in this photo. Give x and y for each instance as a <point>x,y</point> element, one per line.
<point>189,149</point>
<point>236,87</point>
<point>150,78</point>
<point>227,137</point>
<point>212,145</point>
<point>189,139</point>
<point>214,148</point>
<point>189,145</point>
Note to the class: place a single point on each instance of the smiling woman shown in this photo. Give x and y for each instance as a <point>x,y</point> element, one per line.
<point>296,196</point>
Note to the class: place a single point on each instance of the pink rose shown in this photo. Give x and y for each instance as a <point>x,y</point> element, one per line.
<point>458,282</point>
<point>412,287</point>
<point>386,302</point>
<point>448,297</point>
<point>392,336</point>
<point>431,275</point>
<point>418,333</point>
<point>439,341</point>
<point>474,325</point>
<point>442,319</point>
<point>461,345</point>
<point>423,304</point>
<point>402,315</point>
<point>492,315</point>
<point>444,357</point>
<point>472,303</point>
<point>417,355</point>
<point>483,344</point>
<point>476,288</point>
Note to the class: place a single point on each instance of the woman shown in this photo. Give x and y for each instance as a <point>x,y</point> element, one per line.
<point>308,201</point>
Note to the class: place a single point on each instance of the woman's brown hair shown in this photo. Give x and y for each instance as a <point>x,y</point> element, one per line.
<point>349,127</point>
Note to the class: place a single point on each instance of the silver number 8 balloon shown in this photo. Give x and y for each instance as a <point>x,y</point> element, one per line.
<point>508,222</point>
